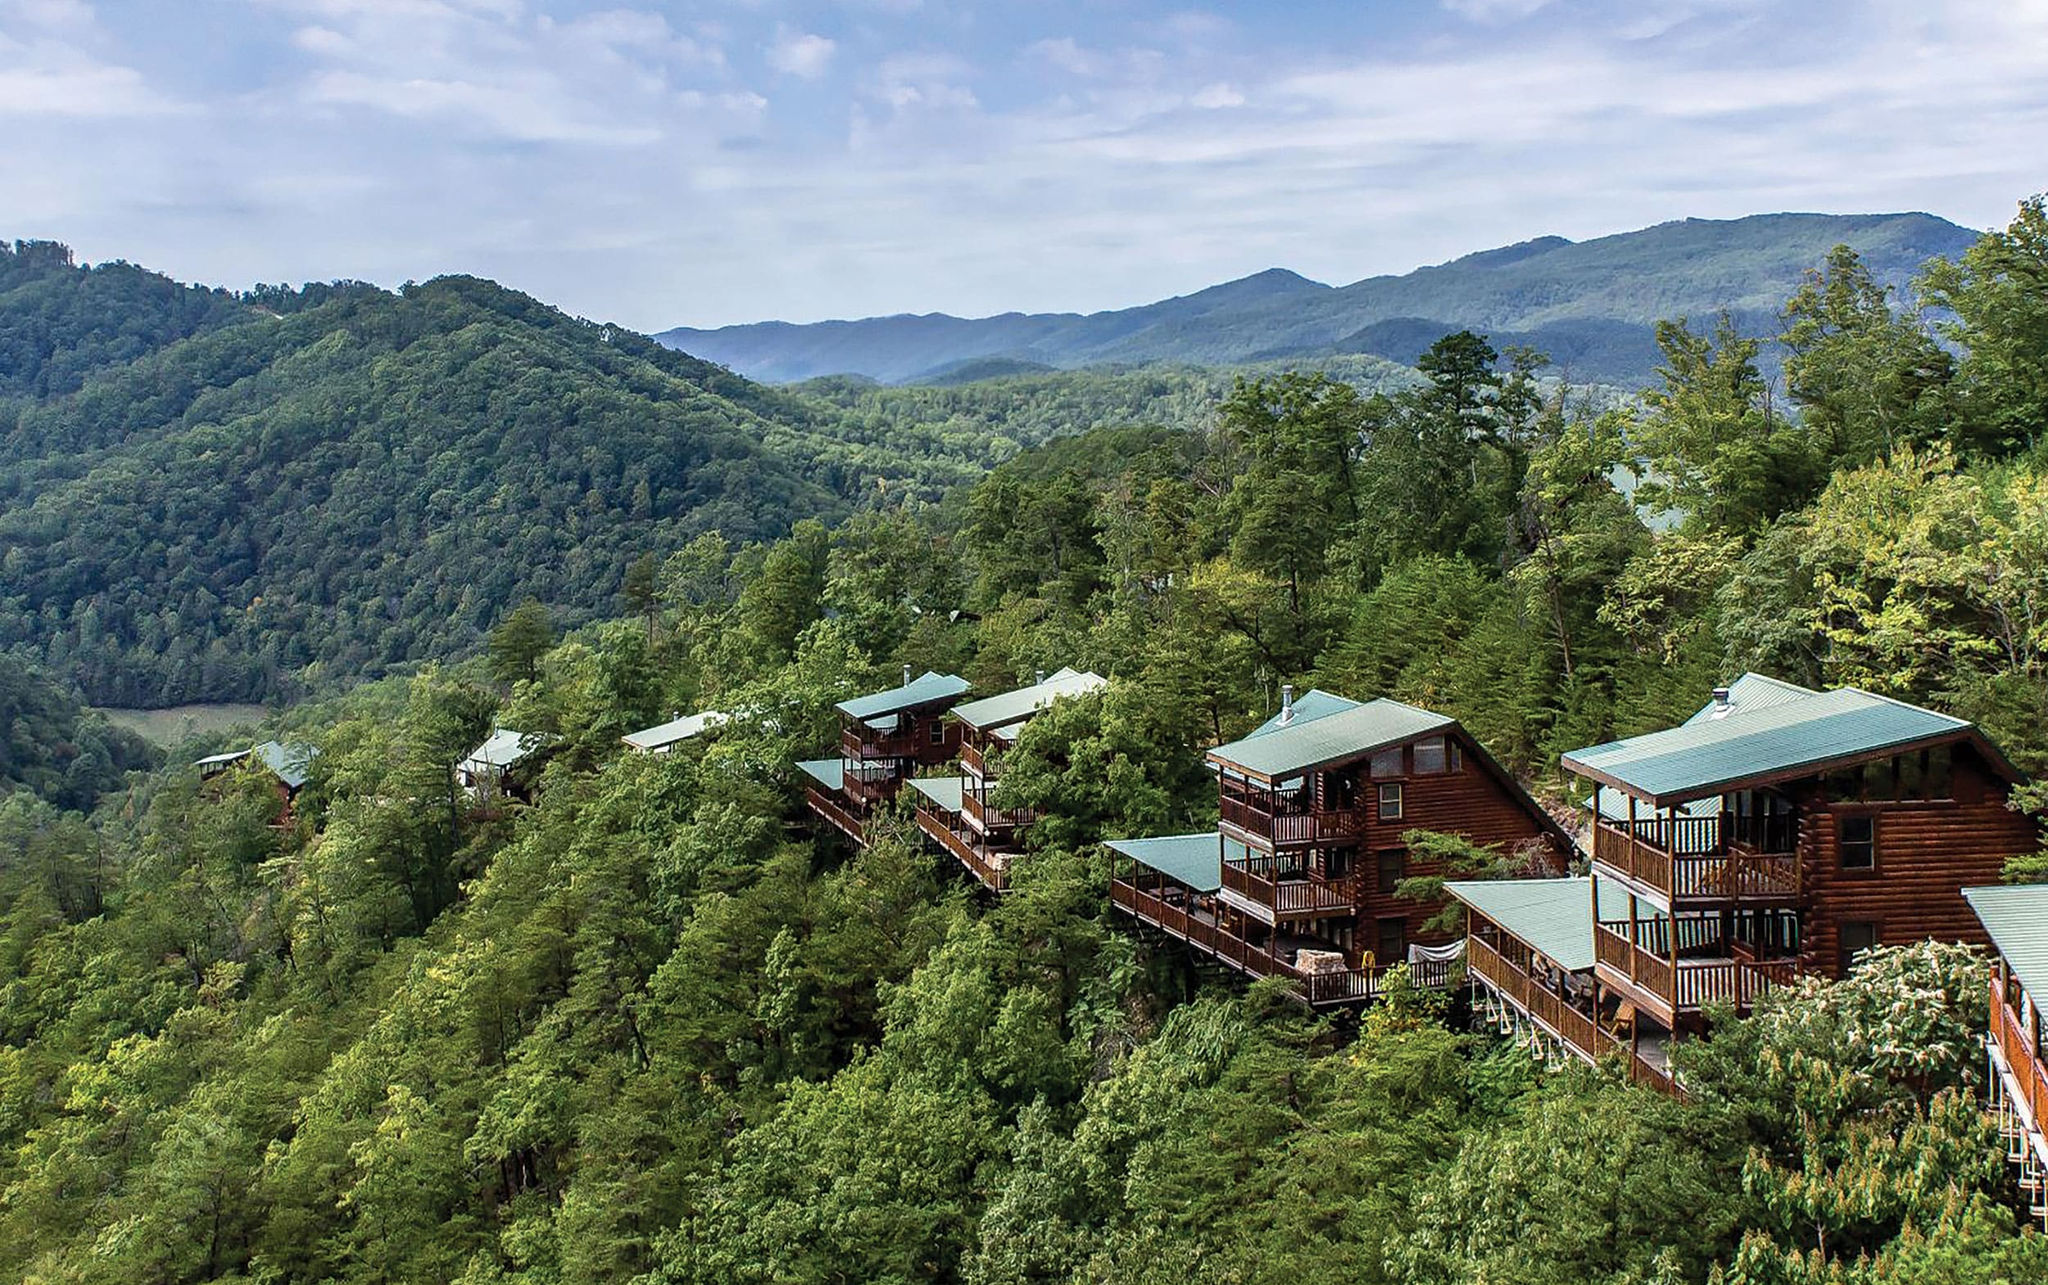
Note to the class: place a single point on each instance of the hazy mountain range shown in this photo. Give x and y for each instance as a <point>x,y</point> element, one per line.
<point>1591,305</point>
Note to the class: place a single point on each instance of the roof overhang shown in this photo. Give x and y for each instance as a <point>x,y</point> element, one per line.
<point>1695,790</point>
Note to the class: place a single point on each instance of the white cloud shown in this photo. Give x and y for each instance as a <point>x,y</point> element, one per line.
<point>800,53</point>
<point>1495,10</point>
<point>1216,96</point>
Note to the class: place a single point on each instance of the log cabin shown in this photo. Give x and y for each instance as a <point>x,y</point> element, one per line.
<point>884,738</point>
<point>503,767</point>
<point>1775,834</point>
<point>664,737</point>
<point>1299,878</point>
<point>956,811</point>
<point>289,767</point>
<point>2016,918</point>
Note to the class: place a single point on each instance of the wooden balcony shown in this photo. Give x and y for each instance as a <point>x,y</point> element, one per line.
<point>861,743</point>
<point>833,810</point>
<point>1574,1029</point>
<point>993,870</point>
<point>1687,985</point>
<point>1686,861</point>
<point>995,818</point>
<point>1302,897</point>
<point>2029,1077</point>
<point>1282,828</point>
<point>971,758</point>
<point>1198,927</point>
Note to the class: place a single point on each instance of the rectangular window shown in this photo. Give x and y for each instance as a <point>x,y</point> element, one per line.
<point>1387,762</point>
<point>1431,757</point>
<point>1393,869</point>
<point>1941,782</point>
<point>1856,841</point>
<point>1393,941</point>
<point>1390,802</point>
<point>938,731</point>
<point>1879,781</point>
<point>1856,935</point>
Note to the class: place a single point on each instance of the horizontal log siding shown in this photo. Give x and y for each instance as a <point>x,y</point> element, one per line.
<point>1471,802</point>
<point>1926,854</point>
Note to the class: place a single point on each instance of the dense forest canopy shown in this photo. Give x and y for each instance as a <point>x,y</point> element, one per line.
<point>645,1029</point>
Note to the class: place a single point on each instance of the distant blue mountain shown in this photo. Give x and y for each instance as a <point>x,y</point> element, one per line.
<point>1591,305</point>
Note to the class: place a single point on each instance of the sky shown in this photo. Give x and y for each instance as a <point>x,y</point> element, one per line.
<point>739,160</point>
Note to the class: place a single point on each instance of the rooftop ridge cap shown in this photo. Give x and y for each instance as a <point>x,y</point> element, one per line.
<point>1919,709</point>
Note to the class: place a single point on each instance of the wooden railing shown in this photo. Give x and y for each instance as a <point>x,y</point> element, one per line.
<point>1534,999</point>
<point>970,758</point>
<point>2009,1028</point>
<point>1292,827</point>
<point>1304,895</point>
<point>856,744</point>
<point>829,807</point>
<point>1347,986</point>
<point>1683,857</point>
<point>1691,984</point>
<point>996,818</point>
<point>993,875</point>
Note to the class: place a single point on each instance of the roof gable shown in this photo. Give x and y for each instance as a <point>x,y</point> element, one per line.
<point>1005,708</point>
<point>925,689</point>
<point>1777,740</point>
<point>1338,736</point>
<point>1311,705</point>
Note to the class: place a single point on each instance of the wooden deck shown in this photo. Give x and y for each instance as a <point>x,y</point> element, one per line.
<point>829,807</point>
<point>2019,1099</point>
<point>1572,1028</point>
<point>1200,930</point>
<point>994,877</point>
<point>1686,861</point>
<point>1291,829</point>
<point>1688,985</point>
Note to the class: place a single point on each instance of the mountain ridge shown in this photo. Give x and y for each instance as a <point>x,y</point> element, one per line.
<point>1591,304</point>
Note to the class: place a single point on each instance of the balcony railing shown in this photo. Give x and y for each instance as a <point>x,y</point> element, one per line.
<point>1685,859</point>
<point>995,818</point>
<point>1546,1006</point>
<point>971,758</point>
<point>2030,1077</point>
<point>856,744</point>
<point>1302,895</point>
<point>829,807</point>
<point>1282,826</point>
<point>992,869</point>
<point>1688,985</point>
<point>1202,932</point>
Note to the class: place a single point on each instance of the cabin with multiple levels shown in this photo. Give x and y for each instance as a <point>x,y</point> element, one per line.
<point>956,811</point>
<point>1776,833</point>
<point>2016,917</point>
<point>1298,879</point>
<point>289,767</point>
<point>503,766</point>
<point>884,738</point>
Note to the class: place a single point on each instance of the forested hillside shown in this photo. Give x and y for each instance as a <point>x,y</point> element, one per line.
<point>1592,306</point>
<point>645,1028</point>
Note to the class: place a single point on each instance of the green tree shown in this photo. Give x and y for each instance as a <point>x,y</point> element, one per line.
<point>520,640</point>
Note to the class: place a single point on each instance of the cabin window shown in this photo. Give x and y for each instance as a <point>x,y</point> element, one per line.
<point>1387,762</point>
<point>1393,940</point>
<point>1941,773</point>
<point>938,732</point>
<point>1856,935</point>
<point>1879,780</point>
<point>1856,841</point>
<point>1336,863</point>
<point>1432,756</point>
<point>1390,801</point>
<point>1393,869</point>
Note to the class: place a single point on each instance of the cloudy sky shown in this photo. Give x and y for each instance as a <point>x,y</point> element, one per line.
<point>734,160</point>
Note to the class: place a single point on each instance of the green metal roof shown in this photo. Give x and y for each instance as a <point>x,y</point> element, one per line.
<point>923,690</point>
<point>290,764</point>
<point>1553,917</point>
<point>1193,860</point>
<point>830,773</point>
<point>1012,707</point>
<point>1754,691</point>
<point>676,729</point>
<point>942,790</point>
<point>2016,916</point>
<point>1684,763</point>
<point>1345,734</point>
<point>1308,707</point>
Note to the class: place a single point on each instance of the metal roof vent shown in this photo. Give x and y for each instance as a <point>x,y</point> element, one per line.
<point>1040,680</point>
<point>906,675</point>
<point>1286,704</point>
<point>1723,707</point>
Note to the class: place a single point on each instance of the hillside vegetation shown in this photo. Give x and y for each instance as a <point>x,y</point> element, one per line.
<point>1591,306</point>
<point>645,1029</point>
